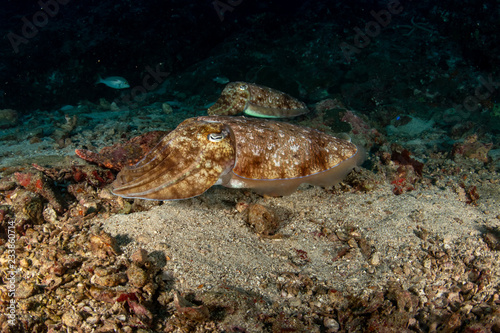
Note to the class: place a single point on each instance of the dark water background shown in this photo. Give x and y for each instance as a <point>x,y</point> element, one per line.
<point>430,59</point>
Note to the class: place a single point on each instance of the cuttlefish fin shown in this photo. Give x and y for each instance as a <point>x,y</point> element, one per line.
<point>255,110</point>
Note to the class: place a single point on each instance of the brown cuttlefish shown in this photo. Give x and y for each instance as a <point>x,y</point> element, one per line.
<point>270,157</point>
<point>258,101</point>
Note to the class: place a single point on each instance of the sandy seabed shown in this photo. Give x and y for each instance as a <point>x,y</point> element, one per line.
<point>341,260</point>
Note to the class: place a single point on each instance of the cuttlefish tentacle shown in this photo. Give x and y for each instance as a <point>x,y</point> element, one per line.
<point>270,157</point>
<point>184,164</point>
<point>258,101</point>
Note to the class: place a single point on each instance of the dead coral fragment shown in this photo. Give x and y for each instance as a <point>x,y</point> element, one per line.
<point>37,183</point>
<point>361,180</point>
<point>403,158</point>
<point>104,245</point>
<point>472,195</point>
<point>121,154</point>
<point>492,238</point>
<point>471,148</point>
<point>190,311</point>
<point>63,132</point>
<point>407,170</point>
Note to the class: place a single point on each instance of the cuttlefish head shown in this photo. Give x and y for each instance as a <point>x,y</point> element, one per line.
<point>184,164</point>
<point>233,100</point>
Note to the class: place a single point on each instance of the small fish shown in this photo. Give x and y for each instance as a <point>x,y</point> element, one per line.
<point>115,82</point>
<point>221,79</point>
<point>67,108</point>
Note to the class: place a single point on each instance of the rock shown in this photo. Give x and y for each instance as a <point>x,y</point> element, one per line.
<point>188,310</point>
<point>114,107</point>
<point>49,215</point>
<point>492,238</point>
<point>111,280</point>
<point>331,324</point>
<point>167,108</point>
<point>8,118</point>
<point>140,257</point>
<point>262,220</point>
<point>71,319</point>
<point>471,148</point>
<point>375,259</point>
<point>36,182</point>
<point>104,104</point>
<point>7,183</point>
<point>25,289</point>
<point>28,206</point>
<point>241,206</point>
<point>409,126</point>
<point>64,130</point>
<point>103,245</point>
<point>137,276</point>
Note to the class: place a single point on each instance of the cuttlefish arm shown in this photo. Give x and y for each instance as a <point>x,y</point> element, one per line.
<point>184,164</point>
<point>257,101</point>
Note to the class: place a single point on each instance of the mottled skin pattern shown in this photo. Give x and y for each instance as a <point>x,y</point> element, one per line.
<point>255,100</point>
<point>232,100</point>
<point>278,150</point>
<point>271,157</point>
<point>184,164</point>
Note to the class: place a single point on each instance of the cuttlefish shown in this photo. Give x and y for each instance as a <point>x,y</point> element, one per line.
<point>255,100</point>
<point>270,157</point>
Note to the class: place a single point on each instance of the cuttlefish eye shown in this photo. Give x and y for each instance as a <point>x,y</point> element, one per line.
<point>243,87</point>
<point>217,137</point>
